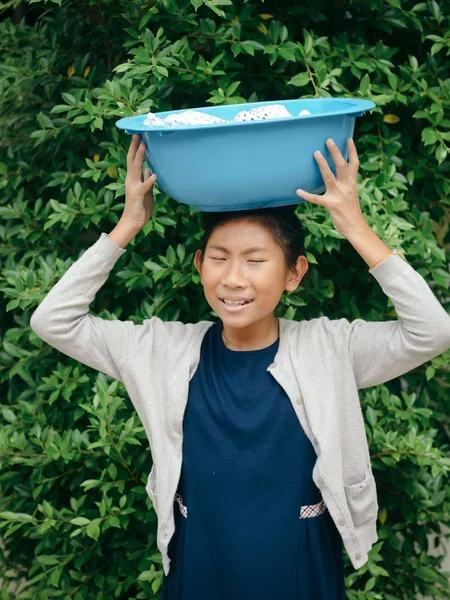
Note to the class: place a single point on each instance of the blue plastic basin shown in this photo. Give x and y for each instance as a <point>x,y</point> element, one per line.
<point>249,164</point>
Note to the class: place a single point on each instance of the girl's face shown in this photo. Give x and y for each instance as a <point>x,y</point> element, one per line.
<point>243,262</point>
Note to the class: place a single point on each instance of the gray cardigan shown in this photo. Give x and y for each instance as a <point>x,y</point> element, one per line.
<point>320,363</point>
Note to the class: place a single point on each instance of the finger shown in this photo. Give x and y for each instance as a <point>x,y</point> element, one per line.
<point>327,173</point>
<point>149,170</point>
<point>135,139</point>
<point>148,174</point>
<point>136,169</point>
<point>149,182</point>
<point>353,158</point>
<point>339,160</point>
<point>313,198</point>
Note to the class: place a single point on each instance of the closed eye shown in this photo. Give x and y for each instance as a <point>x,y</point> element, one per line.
<point>252,261</point>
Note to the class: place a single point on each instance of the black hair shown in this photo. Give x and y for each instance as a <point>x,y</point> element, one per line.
<point>281,222</point>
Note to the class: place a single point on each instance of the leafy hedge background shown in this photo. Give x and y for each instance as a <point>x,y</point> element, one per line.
<point>75,520</point>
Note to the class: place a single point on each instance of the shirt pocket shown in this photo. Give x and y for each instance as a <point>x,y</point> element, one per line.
<point>362,499</point>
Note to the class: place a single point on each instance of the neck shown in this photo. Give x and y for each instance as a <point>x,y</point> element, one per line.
<point>255,337</point>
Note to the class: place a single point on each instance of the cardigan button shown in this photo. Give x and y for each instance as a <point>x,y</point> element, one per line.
<point>341,522</point>
<point>320,481</point>
<point>358,556</point>
<point>299,400</point>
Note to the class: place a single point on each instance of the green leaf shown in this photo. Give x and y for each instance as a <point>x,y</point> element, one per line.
<point>371,415</point>
<point>299,80</point>
<point>152,266</point>
<point>75,532</point>
<point>145,19</point>
<point>253,44</point>
<point>18,516</point>
<point>82,119</point>
<point>80,521</point>
<point>93,530</point>
<point>441,154</point>
<point>287,53</point>
<point>429,373</point>
<point>413,62</point>
<point>170,256</point>
<point>47,559</point>
<point>59,108</point>
<point>148,575</point>
<point>435,48</point>
<point>112,470</point>
<point>12,304</point>
<point>90,483</point>
<point>181,253</point>
<point>8,415</point>
<point>429,575</point>
<point>166,221</point>
<point>156,558</point>
<point>114,522</point>
<point>308,44</point>
<point>68,98</point>
<point>370,584</point>
<point>98,123</point>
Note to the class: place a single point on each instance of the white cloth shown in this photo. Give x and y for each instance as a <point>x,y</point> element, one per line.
<point>192,117</point>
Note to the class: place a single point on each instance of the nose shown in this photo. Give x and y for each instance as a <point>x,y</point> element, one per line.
<point>233,277</point>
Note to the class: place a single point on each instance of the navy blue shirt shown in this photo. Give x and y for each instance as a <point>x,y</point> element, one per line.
<point>250,524</point>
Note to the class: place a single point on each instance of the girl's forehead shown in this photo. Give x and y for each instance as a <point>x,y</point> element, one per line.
<point>241,227</point>
<point>240,235</point>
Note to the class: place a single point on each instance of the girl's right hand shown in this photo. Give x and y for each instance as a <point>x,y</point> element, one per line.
<point>138,193</point>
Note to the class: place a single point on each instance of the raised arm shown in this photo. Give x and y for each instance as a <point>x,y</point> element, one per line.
<point>380,351</point>
<point>62,318</point>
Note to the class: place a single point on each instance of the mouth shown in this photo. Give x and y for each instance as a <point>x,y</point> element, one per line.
<point>236,307</point>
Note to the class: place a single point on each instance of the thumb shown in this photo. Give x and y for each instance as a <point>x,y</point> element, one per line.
<point>313,198</point>
<point>149,179</point>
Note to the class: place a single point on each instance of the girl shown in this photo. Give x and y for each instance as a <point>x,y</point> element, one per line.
<point>261,469</point>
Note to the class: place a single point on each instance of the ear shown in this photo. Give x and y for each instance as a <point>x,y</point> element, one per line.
<point>197,262</point>
<point>296,274</point>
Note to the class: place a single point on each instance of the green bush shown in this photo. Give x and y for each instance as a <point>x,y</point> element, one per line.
<point>75,519</point>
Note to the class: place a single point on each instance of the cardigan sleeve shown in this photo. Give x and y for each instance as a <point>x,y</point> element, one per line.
<point>62,318</point>
<point>382,350</point>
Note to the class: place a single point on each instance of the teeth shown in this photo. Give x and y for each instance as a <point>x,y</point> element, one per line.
<point>234,303</point>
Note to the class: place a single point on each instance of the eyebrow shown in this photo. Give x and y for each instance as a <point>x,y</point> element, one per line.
<point>248,251</point>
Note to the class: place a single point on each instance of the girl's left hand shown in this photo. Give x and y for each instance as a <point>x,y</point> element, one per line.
<point>341,196</point>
